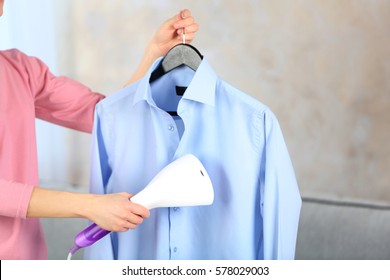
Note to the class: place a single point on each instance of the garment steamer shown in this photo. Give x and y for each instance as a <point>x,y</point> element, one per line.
<point>184,182</point>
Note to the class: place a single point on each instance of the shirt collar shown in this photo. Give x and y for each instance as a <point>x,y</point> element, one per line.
<point>200,89</point>
<point>143,91</point>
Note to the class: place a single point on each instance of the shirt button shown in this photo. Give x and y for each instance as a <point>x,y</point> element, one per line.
<point>171,128</point>
<point>175,249</point>
<point>176,209</point>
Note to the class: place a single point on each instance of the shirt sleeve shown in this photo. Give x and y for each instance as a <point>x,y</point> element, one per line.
<point>99,176</point>
<point>281,200</point>
<point>59,99</point>
<point>15,203</point>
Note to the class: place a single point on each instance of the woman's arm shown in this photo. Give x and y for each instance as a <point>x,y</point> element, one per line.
<point>113,212</point>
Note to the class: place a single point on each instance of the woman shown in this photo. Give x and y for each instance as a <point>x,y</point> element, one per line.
<point>28,90</point>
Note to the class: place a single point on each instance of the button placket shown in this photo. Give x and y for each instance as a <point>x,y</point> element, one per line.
<point>175,236</point>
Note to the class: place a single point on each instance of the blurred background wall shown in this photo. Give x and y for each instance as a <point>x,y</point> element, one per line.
<point>322,66</point>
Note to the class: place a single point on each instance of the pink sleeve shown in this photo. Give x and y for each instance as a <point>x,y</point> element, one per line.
<point>15,203</point>
<point>59,99</point>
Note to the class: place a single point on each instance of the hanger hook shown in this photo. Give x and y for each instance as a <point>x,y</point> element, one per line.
<point>184,35</point>
<point>184,30</point>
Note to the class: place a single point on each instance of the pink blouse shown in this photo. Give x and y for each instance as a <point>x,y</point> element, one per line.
<point>28,90</point>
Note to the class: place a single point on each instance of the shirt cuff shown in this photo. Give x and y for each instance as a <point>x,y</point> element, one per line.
<point>15,198</point>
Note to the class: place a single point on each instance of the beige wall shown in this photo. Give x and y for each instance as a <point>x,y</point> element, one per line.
<point>322,66</point>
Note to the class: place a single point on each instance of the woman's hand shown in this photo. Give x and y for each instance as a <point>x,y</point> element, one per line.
<point>115,212</point>
<point>168,35</point>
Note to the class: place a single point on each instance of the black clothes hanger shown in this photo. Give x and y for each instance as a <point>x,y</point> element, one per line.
<point>181,54</point>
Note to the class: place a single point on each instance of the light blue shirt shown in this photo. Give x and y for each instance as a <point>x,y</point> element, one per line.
<point>256,208</point>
